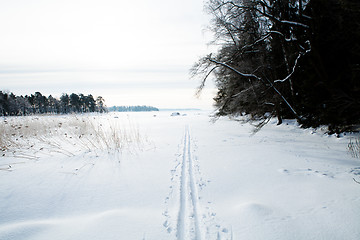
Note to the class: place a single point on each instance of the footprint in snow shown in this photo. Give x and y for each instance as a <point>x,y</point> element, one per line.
<point>308,172</point>
<point>355,171</point>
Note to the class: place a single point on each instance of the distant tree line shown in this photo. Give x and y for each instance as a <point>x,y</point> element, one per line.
<point>12,105</point>
<point>286,59</point>
<point>132,109</point>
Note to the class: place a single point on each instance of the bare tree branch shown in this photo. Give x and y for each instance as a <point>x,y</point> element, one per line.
<point>294,67</point>
<point>202,85</point>
<point>233,69</point>
<point>292,72</point>
<point>260,79</point>
<point>264,13</point>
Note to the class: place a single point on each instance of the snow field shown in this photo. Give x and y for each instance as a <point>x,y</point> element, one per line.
<point>286,182</point>
<point>179,177</point>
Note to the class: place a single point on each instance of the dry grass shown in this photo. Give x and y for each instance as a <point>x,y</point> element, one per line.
<point>33,136</point>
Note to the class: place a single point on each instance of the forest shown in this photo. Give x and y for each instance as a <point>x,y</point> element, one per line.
<point>297,59</point>
<point>12,105</point>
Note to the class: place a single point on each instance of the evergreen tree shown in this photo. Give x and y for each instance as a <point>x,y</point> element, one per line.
<point>90,103</point>
<point>100,103</point>
<point>75,102</point>
<point>65,103</point>
<point>12,105</point>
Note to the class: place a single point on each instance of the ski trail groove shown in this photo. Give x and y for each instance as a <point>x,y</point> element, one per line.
<point>193,217</point>
<point>181,224</point>
<point>194,193</point>
<point>189,198</point>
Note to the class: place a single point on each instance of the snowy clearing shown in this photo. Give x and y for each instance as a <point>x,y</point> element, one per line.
<point>156,176</point>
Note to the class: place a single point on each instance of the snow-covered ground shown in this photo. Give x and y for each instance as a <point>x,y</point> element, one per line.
<point>175,177</point>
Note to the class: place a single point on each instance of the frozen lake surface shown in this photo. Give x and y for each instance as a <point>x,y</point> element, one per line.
<point>176,177</point>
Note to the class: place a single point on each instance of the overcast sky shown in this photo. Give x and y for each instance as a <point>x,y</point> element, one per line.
<point>129,52</point>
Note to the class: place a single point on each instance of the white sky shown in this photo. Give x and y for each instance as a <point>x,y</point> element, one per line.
<point>129,52</point>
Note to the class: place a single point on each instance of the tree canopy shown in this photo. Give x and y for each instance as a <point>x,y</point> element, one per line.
<point>12,105</point>
<point>286,59</point>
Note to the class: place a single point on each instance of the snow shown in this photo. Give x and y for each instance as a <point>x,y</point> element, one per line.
<point>179,178</point>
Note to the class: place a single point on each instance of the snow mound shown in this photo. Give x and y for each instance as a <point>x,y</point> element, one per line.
<point>253,210</point>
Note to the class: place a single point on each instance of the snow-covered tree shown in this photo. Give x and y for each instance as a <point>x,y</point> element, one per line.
<point>273,53</point>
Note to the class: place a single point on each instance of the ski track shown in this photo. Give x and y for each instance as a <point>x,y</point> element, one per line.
<point>188,217</point>
<point>193,191</point>
<point>182,221</point>
<point>193,221</point>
